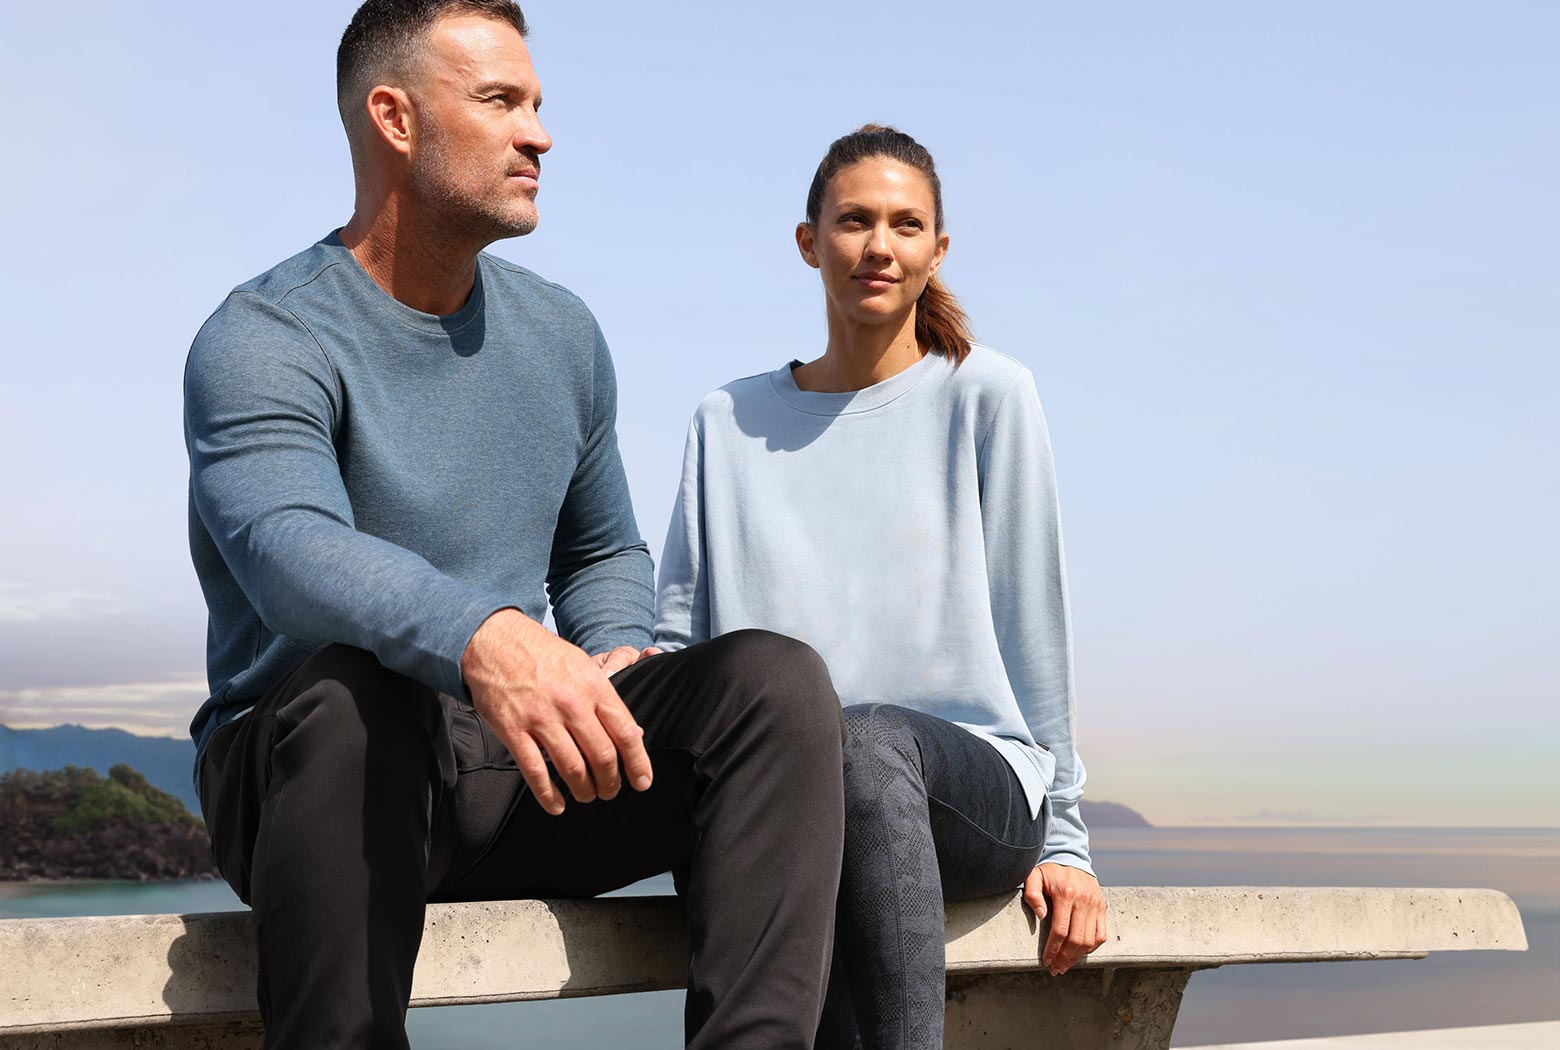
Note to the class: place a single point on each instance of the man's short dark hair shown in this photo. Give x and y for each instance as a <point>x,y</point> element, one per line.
<point>384,36</point>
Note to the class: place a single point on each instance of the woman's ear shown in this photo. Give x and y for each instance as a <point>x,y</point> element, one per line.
<point>806,245</point>
<point>942,251</point>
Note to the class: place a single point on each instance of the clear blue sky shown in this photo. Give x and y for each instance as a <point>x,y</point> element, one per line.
<point>1287,275</point>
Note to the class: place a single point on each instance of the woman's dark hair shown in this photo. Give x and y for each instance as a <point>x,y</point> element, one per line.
<point>940,322</point>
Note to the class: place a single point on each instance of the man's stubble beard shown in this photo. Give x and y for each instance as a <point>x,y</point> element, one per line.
<point>447,184</point>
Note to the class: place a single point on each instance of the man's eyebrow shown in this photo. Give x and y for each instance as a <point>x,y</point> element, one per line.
<point>497,87</point>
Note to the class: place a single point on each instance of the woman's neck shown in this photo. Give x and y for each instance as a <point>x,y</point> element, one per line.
<point>860,355</point>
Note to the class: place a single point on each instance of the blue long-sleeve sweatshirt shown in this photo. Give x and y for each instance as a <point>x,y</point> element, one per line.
<point>908,532</point>
<point>365,473</point>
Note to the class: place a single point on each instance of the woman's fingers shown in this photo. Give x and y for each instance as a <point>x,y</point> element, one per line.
<point>1034,893</point>
<point>1061,924</point>
<point>613,662</point>
<point>1087,930</point>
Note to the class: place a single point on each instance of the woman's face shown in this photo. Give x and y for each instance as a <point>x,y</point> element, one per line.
<point>876,243</point>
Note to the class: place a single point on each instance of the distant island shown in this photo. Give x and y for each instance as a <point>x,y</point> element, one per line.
<point>72,823</point>
<point>1112,815</point>
<point>167,762</point>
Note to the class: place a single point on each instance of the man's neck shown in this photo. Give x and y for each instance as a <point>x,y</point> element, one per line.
<point>414,262</point>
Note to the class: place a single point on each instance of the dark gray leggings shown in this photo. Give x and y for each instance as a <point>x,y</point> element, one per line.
<point>932,813</point>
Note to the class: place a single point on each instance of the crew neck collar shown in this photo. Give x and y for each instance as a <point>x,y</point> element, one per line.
<point>851,402</point>
<point>437,324</point>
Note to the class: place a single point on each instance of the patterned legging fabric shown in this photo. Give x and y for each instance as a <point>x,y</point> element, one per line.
<point>932,813</point>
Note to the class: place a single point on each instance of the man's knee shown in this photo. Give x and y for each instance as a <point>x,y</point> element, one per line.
<point>347,699</point>
<point>785,675</point>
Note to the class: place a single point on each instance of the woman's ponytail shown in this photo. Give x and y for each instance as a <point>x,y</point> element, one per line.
<point>940,322</point>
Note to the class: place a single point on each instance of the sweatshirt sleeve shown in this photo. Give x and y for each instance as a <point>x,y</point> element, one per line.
<point>682,614</point>
<point>261,401</point>
<point>599,577</point>
<point>1028,584</point>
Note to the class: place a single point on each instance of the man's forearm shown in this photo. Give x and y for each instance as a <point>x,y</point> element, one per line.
<point>608,602</point>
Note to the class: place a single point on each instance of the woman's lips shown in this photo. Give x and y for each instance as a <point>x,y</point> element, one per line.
<point>875,281</point>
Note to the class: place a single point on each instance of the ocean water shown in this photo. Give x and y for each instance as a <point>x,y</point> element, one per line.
<point>1233,1004</point>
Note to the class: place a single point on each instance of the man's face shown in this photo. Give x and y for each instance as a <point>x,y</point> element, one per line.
<point>476,152</point>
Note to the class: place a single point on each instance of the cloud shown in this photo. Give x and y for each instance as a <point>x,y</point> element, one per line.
<point>31,603</point>
<point>146,708</point>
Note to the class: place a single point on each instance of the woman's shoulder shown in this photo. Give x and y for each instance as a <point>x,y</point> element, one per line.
<point>987,375</point>
<point>722,409</point>
<point>725,399</point>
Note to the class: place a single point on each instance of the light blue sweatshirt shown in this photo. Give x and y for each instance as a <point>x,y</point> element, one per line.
<point>909,533</point>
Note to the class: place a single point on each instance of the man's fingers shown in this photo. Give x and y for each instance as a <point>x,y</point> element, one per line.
<point>528,758</point>
<point>567,761</point>
<point>601,755</point>
<point>630,741</point>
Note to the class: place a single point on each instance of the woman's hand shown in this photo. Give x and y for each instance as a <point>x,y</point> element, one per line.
<point>1077,908</point>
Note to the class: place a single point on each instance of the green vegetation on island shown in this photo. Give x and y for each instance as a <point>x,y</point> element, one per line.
<point>72,823</point>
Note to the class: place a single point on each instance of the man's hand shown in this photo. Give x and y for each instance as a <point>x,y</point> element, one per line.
<point>623,656</point>
<point>1077,909</point>
<point>540,694</point>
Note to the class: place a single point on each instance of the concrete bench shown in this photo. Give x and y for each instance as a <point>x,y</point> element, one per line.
<point>186,981</point>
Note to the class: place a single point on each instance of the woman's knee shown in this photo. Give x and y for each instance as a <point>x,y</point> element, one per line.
<point>880,749</point>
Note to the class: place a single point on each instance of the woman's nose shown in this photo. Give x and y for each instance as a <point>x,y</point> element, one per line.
<point>877,244</point>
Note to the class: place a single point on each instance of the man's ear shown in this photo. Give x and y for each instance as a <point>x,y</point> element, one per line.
<point>391,118</point>
<point>805,244</point>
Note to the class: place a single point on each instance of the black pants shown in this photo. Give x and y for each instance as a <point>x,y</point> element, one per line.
<point>352,795</point>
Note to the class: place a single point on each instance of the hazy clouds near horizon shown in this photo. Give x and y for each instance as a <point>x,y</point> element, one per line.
<point>1286,277</point>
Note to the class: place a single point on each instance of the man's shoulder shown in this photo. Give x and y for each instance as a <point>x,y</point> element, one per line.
<point>261,322</point>
<point>293,274</point>
<point>514,283</point>
<point>269,300</point>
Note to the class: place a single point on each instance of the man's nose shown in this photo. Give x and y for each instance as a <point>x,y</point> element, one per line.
<point>532,136</point>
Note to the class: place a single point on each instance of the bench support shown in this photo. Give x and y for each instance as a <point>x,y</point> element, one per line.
<point>1101,1009</point>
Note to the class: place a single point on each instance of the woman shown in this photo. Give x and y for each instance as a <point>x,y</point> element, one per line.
<point>892,503</point>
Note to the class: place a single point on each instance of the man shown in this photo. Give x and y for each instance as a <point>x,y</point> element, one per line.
<point>401,450</point>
